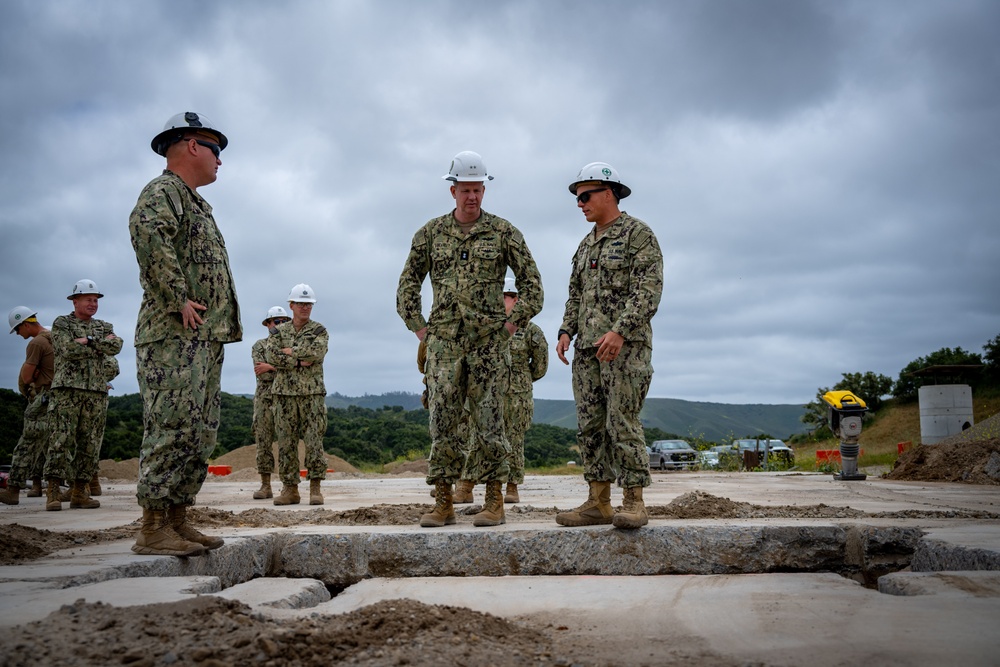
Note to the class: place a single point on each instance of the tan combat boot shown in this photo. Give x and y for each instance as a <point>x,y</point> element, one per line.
<point>492,513</point>
<point>95,486</point>
<point>595,512</point>
<point>463,492</point>
<point>633,512</point>
<point>11,495</point>
<point>289,495</point>
<point>177,514</point>
<point>510,496</point>
<point>52,499</point>
<point>315,494</point>
<point>265,487</point>
<point>36,488</point>
<point>67,495</point>
<point>80,499</point>
<point>443,513</point>
<point>157,538</point>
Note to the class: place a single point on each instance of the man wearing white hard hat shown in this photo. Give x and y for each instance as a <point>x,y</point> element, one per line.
<point>33,381</point>
<point>466,253</point>
<point>263,404</point>
<point>78,409</point>
<point>615,284</point>
<point>189,312</point>
<point>297,350</point>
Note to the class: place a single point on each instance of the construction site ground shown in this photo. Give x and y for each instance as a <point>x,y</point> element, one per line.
<point>733,569</point>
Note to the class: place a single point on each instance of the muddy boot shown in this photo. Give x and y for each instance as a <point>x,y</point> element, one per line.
<point>11,495</point>
<point>158,538</point>
<point>177,514</point>
<point>510,496</point>
<point>80,499</point>
<point>633,512</point>
<point>52,500</point>
<point>265,487</point>
<point>443,513</point>
<point>463,492</point>
<point>492,514</point>
<point>595,512</point>
<point>315,494</point>
<point>289,495</point>
<point>95,486</point>
<point>36,488</point>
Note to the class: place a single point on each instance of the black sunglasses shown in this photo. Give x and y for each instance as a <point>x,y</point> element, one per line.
<point>584,197</point>
<point>215,148</point>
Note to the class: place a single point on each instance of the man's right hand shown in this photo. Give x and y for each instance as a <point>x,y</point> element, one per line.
<point>190,315</point>
<point>561,347</point>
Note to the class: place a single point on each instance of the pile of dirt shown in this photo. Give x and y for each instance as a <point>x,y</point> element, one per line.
<point>245,458</point>
<point>419,466</point>
<point>212,632</point>
<point>974,462</point>
<point>19,544</point>
<point>125,471</point>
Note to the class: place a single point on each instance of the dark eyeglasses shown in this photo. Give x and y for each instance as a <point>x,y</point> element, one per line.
<point>584,197</point>
<point>279,320</point>
<point>215,148</point>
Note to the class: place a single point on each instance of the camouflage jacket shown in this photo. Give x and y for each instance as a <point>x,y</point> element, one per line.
<point>467,274</point>
<point>529,357</point>
<point>83,366</point>
<point>308,344</point>
<point>264,380</point>
<point>615,284</point>
<point>182,256</point>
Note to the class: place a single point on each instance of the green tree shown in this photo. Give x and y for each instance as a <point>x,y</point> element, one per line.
<point>991,357</point>
<point>907,385</point>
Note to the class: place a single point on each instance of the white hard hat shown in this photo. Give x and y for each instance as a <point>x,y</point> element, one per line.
<point>603,172</point>
<point>302,293</point>
<point>19,316</point>
<point>273,312</point>
<point>509,286</point>
<point>85,286</point>
<point>175,127</point>
<point>467,166</point>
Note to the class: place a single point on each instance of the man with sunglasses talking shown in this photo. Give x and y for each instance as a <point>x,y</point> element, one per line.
<point>188,312</point>
<point>614,290</point>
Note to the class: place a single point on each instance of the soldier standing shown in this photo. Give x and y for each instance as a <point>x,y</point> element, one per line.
<point>467,253</point>
<point>188,312</point>
<point>33,382</point>
<point>263,406</point>
<point>529,360</point>
<point>614,290</point>
<point>79,404</point>
<point>296,350</point>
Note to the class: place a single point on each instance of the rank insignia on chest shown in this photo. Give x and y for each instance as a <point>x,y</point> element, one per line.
<point>464,255</point>
<point>593,263</point>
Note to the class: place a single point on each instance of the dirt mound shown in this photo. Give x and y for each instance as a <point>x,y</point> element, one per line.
<point>212,631</point>
<point>975,462</point>
<point>19,544</point>
<point>126,471</point>
<point>400,467</point>
<point>246,458</point>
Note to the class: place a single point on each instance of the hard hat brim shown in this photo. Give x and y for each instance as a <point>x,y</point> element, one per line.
<point>481,179</point>
<point>623,190</point>
<point>155,143</point>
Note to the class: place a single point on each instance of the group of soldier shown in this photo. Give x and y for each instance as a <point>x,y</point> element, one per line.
<point>480,353</point>
<point>65,377</point>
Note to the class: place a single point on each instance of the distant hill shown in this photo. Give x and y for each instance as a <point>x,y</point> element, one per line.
<point>711,421</point>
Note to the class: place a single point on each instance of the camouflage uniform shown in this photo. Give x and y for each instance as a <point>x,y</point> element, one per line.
<point>529,359</point>
<point>79,403</point>
<point>182,256</point>
<point>299,398</point>
<point>263,412</point>
<point>615,285</point>
<point>467,351</point>
<point>28,459</point>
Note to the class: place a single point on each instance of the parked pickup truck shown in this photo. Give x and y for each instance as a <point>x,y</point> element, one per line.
<point>672,455</point>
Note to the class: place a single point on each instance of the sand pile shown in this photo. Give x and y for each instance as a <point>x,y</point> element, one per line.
<point>972,456</point>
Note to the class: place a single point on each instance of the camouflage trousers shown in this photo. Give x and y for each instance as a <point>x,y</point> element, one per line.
<point>263,432</point>
<point>28,459</point>
<point>465,383</point>
<point>76,420</point>
<point>609,397</point>
<point>300,418</point>
<point>179,381</point>
<point>519,408</point>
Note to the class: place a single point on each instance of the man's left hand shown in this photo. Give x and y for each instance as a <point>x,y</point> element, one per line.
<point>609,346</point>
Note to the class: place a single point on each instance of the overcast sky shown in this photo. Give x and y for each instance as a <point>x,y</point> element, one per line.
<point>823,177</point>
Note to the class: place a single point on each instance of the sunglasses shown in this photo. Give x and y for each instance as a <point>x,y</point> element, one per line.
<point>215,148</point>
<point>584,197</point>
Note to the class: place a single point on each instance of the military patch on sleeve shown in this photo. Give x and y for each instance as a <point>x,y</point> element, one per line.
<point>641,239</point>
